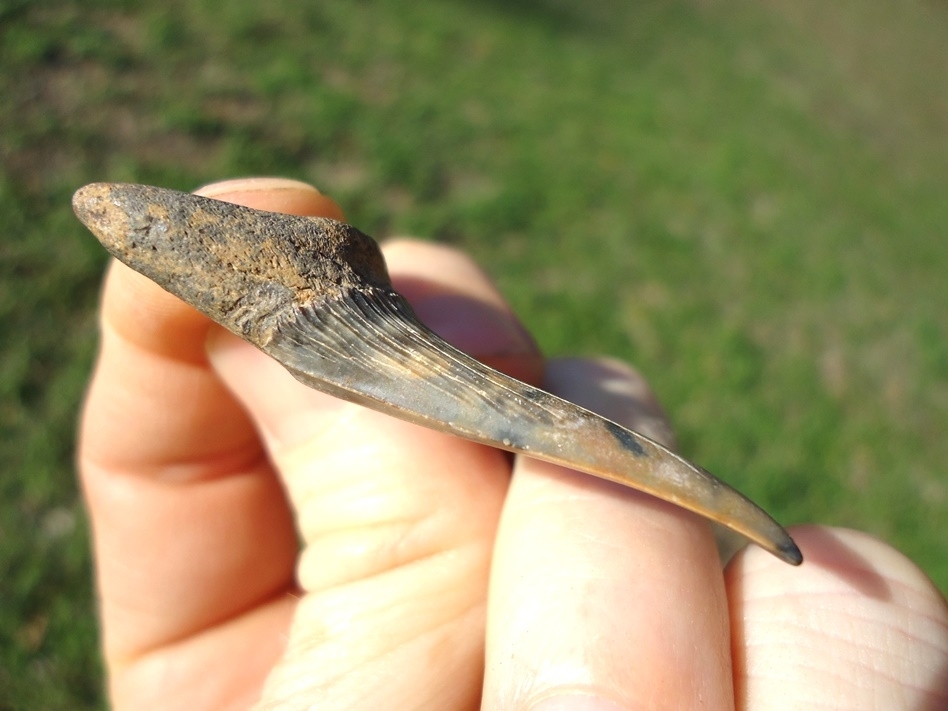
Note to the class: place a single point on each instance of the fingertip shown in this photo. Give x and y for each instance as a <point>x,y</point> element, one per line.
<point>836,559</point>
<point>428,269</point>
<point>143,314</point>
<point>274,194</point>
<point>857,622</point>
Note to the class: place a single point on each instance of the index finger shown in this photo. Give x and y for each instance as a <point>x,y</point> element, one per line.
<point>164,448</point>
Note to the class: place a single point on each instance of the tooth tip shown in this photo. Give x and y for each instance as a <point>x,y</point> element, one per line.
<point>788,552</point>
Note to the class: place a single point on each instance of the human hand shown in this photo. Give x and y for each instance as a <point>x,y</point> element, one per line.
<point>197,453</point>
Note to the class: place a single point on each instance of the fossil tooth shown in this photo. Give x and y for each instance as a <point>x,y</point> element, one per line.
<point>314,294</point>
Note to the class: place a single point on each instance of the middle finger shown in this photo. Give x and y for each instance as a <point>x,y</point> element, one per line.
<point>601,597</point>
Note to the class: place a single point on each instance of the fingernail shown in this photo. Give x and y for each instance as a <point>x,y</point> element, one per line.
<point>475,327</point>
<point>577,702</point>
<point>249,185</point>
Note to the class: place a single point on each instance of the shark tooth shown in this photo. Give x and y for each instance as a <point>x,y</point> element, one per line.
<point>314,294</point>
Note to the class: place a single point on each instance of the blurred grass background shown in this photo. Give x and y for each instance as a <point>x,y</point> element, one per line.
<point>746,199</point>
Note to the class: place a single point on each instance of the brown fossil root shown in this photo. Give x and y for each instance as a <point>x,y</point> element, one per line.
<point>314,294</point>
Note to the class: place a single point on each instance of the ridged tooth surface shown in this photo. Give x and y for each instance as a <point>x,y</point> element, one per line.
<point>314,294</point>
<point>367,347</point>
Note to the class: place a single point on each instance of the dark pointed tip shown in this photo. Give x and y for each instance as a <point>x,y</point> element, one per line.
<point>788,552</point>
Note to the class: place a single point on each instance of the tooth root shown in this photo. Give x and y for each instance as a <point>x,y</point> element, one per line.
<point>314,293</point>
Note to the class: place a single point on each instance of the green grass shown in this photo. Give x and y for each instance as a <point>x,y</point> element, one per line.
<point>745,199</point>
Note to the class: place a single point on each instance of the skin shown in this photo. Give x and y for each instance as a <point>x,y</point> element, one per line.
<point>435,573</point>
